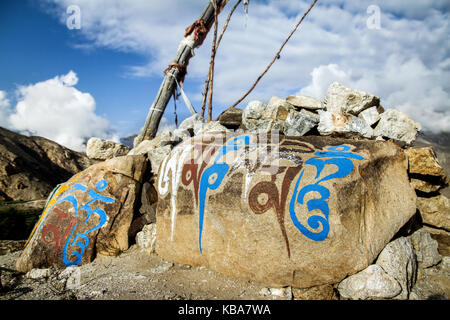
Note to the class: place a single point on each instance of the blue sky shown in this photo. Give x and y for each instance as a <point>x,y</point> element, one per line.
<point>100,80</point>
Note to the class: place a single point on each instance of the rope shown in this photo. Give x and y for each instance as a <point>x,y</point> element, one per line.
<point>186,100</point>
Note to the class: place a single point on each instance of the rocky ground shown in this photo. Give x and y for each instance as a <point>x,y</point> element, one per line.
<point>134,275</point>
<point>138,275</point>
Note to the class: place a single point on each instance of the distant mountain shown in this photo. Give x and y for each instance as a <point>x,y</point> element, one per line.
<point>128,141</point>
<point>30,167</point>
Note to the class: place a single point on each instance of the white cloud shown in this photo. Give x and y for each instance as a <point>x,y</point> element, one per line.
<point>406,62</point>
<point>56,110</point>
<point>4,109</point>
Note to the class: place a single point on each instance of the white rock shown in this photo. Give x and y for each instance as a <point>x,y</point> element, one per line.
<point>370,116</point>
<point>211,126</point>
<point>298,123</point>
<point>146,239</point>
<point>397,125</point>
<point>345,125</point>
<point>371,283</point>
<point>100,149</point>
<point>340,99</point>
<point>399,261</point>
<point>305,102</point>
<point>38,273</point>
<point>191,122</point>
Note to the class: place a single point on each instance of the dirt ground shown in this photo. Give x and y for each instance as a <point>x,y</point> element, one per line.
<point>134,275</point>
<point>139,275</point>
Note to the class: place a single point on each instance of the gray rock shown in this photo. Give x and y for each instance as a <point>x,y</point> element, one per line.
<point>191,122</point>
<point>426,248</point>
<point>211,126</point>
<point>299,123</point>
<point>340,99</point>
<point>397,125</point>
<point>305,102</point>
<point>164,139</point>
<point>371,283</point>
<point>370,116</point>
<point>100,149</point>
<point>258,117</point>
<point>399,261</point>
<point>346,126</point>
<point>157,155</point>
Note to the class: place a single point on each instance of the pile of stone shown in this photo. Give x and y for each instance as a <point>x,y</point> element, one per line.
<point>344,112</point>
<point>394,243</point>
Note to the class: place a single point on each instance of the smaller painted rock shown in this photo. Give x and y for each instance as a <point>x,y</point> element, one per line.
<point>89,214</point>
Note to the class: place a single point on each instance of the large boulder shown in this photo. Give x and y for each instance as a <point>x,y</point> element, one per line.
<point>284,211</point>
<point>89,214</point>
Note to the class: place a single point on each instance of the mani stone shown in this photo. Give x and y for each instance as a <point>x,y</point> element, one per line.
<point>298,123</point>
<point>300,212</point>
<point>347,126</point>
<point>100,149</point>
<point>397,125</point>
<point>399,261</point>
<point>88,215</point>
<point>305,102</point>
<point>435,211</point>
<point>340,99</point>
<point>369,284</point>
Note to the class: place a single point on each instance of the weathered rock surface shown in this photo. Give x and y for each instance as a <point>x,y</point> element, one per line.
<point>192,124</point>
<point>89,214</point>
<point>399,261</point>
<point>435,211</point>
<point>348,126</point>
<point>259,117</point>
<point>343,100</point>
<point>426,249</point>
<point>100,149</point>
<point>298,123</point>
<point>371,283</point>
<point>238,211</point>
<point>397,125</point>
<point>423,161</point>
<point>305,102</point>
<point>30,167</point>
<point>370,116</point>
